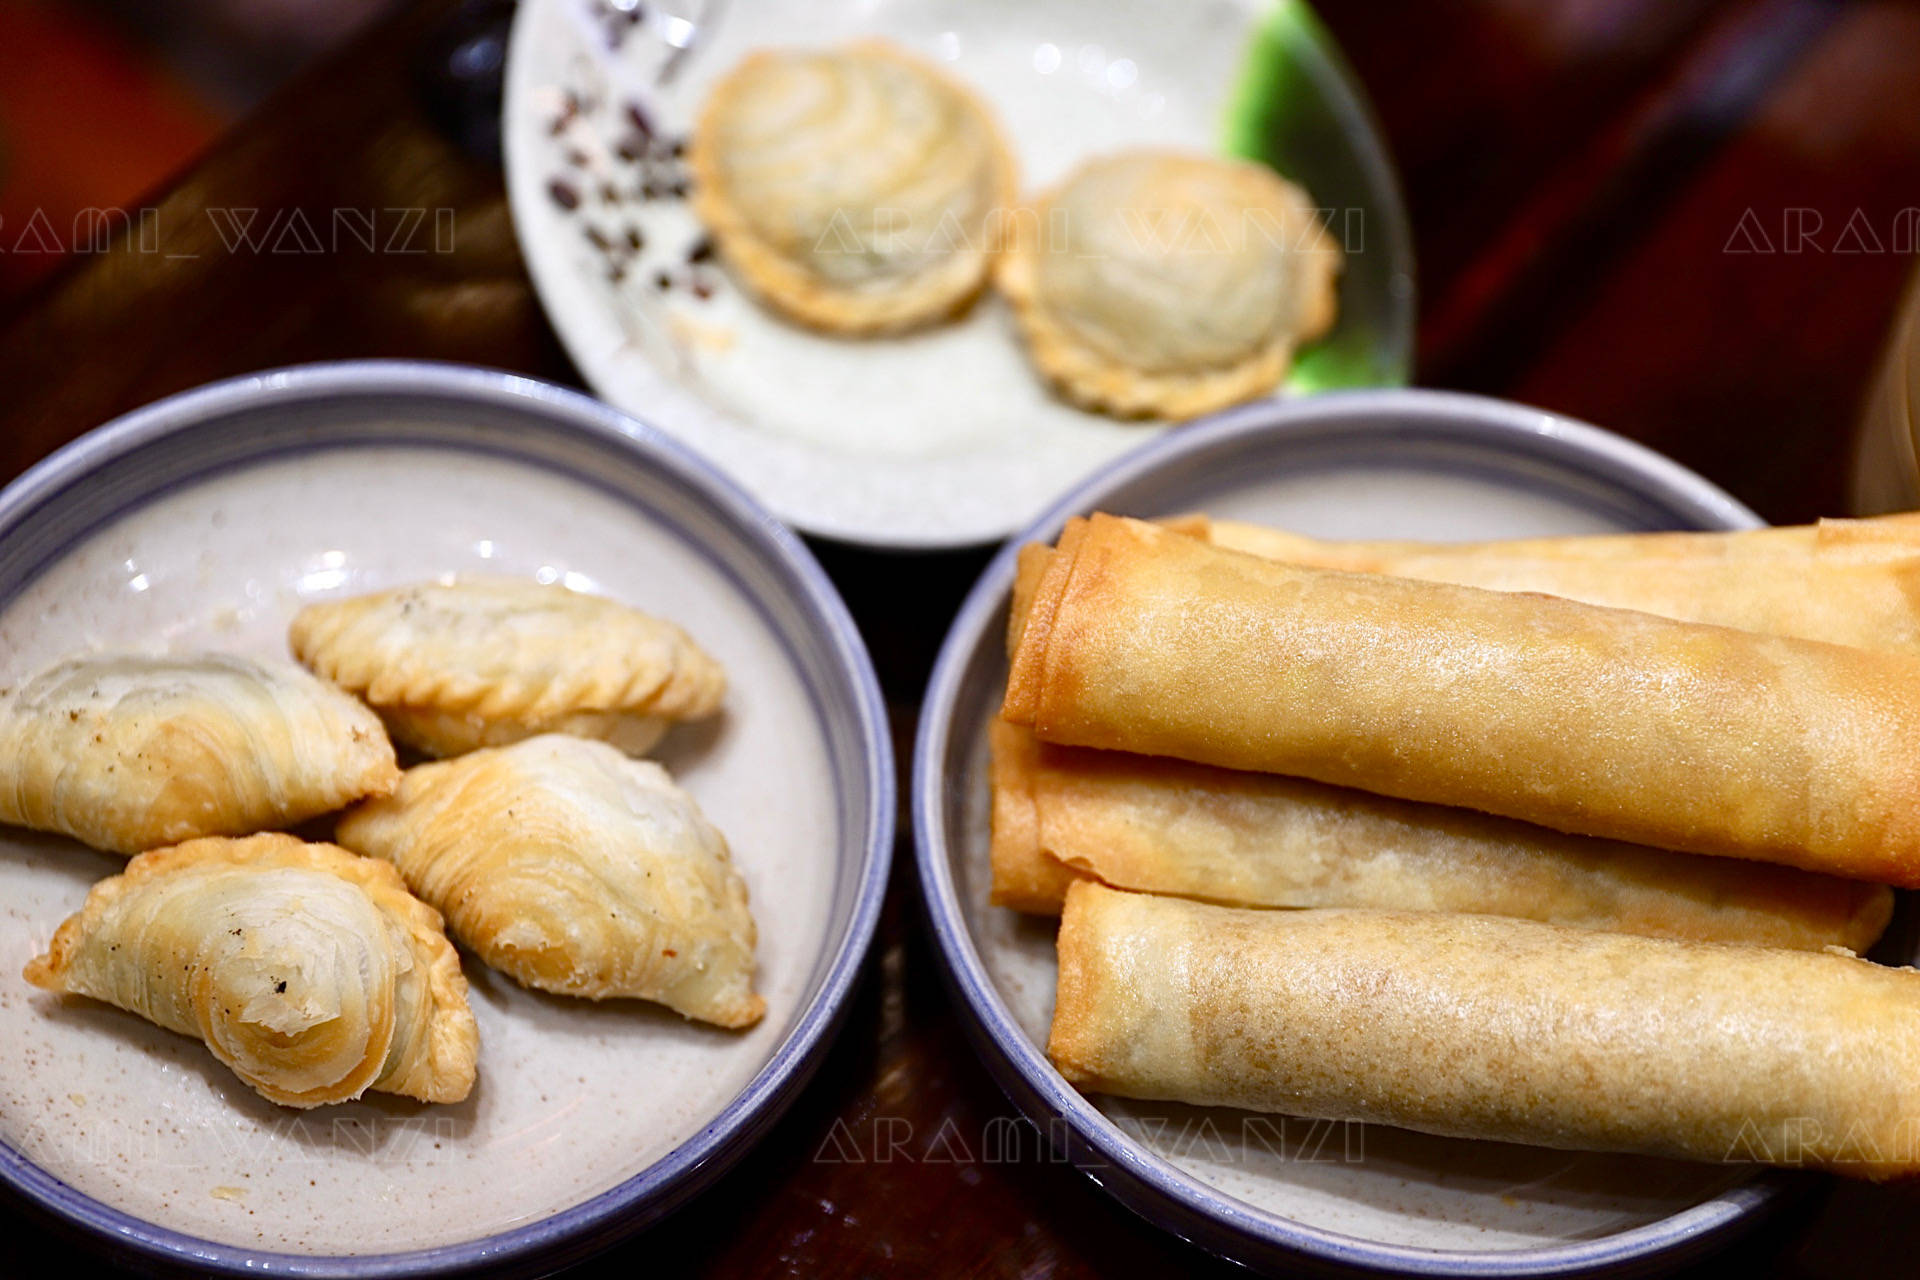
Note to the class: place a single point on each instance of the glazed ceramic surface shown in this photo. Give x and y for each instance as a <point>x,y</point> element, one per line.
<point>1263,1188</point>
<point>947,436</point>
<point>210,526</point>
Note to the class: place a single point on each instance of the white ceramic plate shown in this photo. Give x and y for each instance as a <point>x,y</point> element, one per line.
<point>1408,464</point>
<point>945,437</point>
<point>206,521</point>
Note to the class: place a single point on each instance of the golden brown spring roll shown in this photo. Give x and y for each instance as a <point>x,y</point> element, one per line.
<point>1259,840</point>
<point>1485,1027</point>
<point>1586,719</point>
<point>1880,539</point>
<point>1024,877</point>
<point>1843,581</point>
<point>1247,839</point>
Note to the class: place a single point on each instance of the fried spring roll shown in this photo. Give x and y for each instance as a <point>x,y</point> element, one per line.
<point>1585,719</point>
<point>1484,1027</point>
<point>1025,877</point>
<point>1851,582</point>
<point>1246,839</point>
<point>1880,539</point>
<point>1258,840</point>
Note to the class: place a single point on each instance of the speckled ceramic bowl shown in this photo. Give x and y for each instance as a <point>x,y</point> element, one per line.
<point>1395,464</point>
<point>205,521</point>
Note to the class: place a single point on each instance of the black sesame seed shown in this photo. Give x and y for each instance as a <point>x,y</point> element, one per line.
<point>563,194</point>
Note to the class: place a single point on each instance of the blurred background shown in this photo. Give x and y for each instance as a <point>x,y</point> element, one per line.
<point>1693,221</point>
<point>101,101</point>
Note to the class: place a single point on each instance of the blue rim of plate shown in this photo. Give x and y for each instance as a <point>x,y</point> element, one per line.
<point>575,1232</point>
<point>1144,1182</point>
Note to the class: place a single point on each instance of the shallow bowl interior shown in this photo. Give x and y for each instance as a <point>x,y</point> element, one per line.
<point>1363,465</point>
<point>206,521</point>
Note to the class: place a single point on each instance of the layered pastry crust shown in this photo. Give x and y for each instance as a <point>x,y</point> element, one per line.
<point>128,752</point>
<point>857,190</point>
<point>577,871</point>
<point>482,662</point>
<point>310,972</point>
<point>1164,284</point>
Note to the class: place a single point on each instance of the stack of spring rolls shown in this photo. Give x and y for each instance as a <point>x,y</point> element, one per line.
<point>1587,831</point>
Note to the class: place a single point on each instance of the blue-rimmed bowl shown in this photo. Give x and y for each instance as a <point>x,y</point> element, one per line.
<point>204,521</point>
<point>1412,464</point>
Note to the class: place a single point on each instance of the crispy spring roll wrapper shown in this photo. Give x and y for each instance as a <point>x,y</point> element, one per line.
<point>1250,839</point>
<point>1485,1027</point>
<point>1881,539</point>
<point>1259,840</point>
<point>1851,582</point>
<point>1585,719</point>
<point>1025,877</point>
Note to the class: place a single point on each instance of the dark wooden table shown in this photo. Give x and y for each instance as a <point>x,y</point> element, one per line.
<point>1633,211</point>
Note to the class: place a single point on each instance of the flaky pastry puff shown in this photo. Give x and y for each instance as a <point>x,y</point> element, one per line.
<point>312,973</point>
<point>575,870</point>
<point>857,190</point>
<point>1165,284</point>
<point>129,752</point>
<point>480,662</point>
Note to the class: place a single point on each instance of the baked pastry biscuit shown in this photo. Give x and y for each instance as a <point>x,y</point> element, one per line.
<point>129,752</point>
<point>857,190</point>
<point>312,973</point>
<point>1162,284</point>
<point>575,870</point>
<point>482,662</point>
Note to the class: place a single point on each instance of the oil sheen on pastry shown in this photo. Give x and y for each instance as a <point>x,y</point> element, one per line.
<point>1165,284</point>
<point>575,870</point>
<point>311,972</point>
<point>857,190</point>
<point>129,752</point>
<point>481,662</point>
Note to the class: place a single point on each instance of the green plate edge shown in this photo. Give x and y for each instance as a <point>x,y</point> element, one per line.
<point>1297,107</point>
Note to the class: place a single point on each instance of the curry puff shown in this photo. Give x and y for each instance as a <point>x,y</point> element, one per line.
<point>129,752</point>
<point>482,662</point>
<point>1169,285</point>
<point>857,190</point>
<point>1485,1027</point>
<point>575,870</point>
<point>310,972</point>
